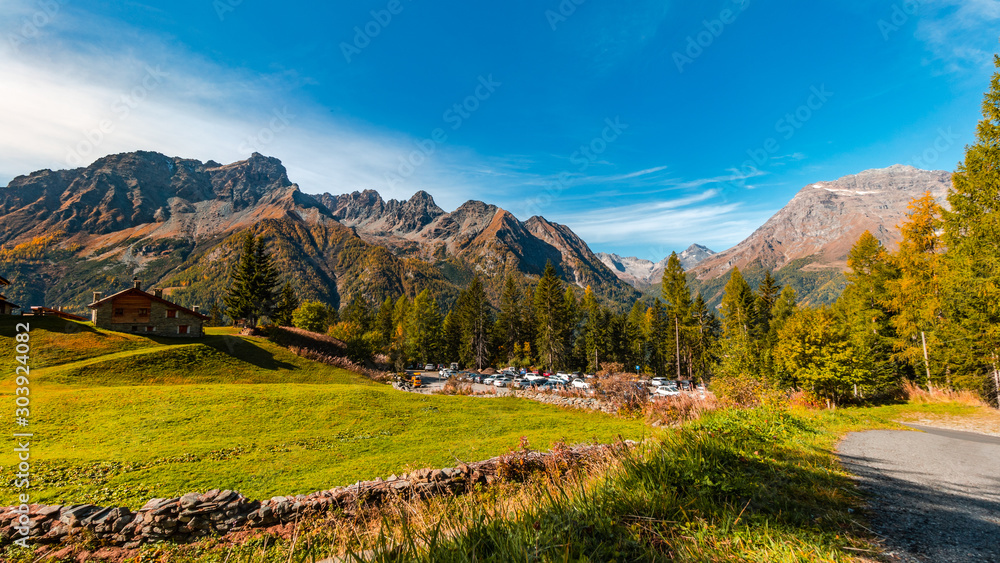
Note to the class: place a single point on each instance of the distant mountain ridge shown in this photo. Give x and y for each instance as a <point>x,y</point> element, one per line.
<point>807,241</point>
<point>173,222</point>
<point>825,219</point>
<point>642,273</point>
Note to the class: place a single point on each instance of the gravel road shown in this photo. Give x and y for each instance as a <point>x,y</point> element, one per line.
<point>934,494</point>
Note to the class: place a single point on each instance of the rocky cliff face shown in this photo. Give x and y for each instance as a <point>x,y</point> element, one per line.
<point>825,219</point>
<point>485,236</point>
<point>174,222</point>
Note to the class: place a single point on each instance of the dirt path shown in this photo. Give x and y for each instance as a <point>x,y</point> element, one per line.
<point>934,494</point>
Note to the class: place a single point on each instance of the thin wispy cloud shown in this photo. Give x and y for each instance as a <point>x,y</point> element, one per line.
<point>69,103</point>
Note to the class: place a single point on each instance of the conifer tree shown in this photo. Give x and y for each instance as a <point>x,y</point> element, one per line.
<point>509,331</point>
<point>916,296</point>
<point>972,234</point>
<point>706,339</point>
<point>677,297</point>
<point>474,317</point>
<point>252,281</point>
<point>423,328</point>
<point>287,303</point>
<point>738,354</point>
<point>635,336</point>
<point>864,308</point>
<point>551,319</point>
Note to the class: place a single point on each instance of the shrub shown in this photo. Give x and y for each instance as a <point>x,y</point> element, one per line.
<point>676,410</point>
<point>310,316</point>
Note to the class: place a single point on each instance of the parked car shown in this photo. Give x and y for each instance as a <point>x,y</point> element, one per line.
<point>534,377</point>
<point>519,383</point>
<point>580,384</point>
<point>667,391</point>
<point>502,381</point>
<point>429,367</point>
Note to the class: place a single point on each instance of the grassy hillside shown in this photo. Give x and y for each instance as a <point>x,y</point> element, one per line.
<point>119,419</point>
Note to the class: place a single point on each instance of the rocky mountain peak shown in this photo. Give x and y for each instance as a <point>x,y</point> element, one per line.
<point>824,220</point>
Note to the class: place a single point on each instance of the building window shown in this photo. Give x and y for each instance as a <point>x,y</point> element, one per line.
<point>135,329</point>
<point>150,328</point>
<point>182,329</point>
<point>119,312</point>
<point>143,312</point>
<point>171,313</point>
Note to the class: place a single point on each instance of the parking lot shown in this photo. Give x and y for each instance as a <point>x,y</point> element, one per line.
<point>434,380</point>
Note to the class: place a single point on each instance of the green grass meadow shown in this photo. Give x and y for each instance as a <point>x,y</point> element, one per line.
<point>119,419</point>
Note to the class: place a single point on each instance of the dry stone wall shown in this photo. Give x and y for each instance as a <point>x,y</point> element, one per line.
<point>218,512</point>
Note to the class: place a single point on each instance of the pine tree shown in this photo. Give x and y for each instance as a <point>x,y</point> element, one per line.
<point>864,307</point>
<point>738,352</point>
<point>474,317</point>
<point>509,331</point>
<point>677,297</point>
<point>215,315</point>
<point>706,339</point>
<point>916,296</point>
<point>972,234</point>
<point>423,328</point>
<point>452,336</point>
<point>239,299</point>
<point>595,331</point>
<point>551,321</point>
<point>571,336</point>
<point>287,303</point>
<point>635,336</point>
<point>383,322</point>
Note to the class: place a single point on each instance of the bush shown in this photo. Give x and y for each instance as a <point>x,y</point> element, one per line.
<point>310,316</point>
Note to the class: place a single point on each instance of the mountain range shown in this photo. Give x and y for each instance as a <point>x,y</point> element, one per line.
<point>176,223</point>
<point>643,273</point>
<point>807,241</point>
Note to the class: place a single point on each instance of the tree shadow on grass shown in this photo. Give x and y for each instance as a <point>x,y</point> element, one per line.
<point>246,351</point>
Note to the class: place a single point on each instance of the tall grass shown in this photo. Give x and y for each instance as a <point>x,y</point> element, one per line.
<point>938,395</point>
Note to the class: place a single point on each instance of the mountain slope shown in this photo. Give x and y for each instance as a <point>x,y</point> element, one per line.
<point>825,219</point>
<point>177,223</point>
<point>808,240</point>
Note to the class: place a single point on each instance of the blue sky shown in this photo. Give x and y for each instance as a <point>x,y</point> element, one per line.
<point>645,127</point>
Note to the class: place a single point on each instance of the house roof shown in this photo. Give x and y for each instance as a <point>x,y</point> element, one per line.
<point>141,293</point>
<point>3,300</point>
<point>3,281</point>
<point>47,311</point>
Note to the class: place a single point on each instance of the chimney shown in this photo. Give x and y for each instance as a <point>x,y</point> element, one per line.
<point>158,293</point>
<point>196,309</point>
<point>97,296</point>
<point>136,283</point>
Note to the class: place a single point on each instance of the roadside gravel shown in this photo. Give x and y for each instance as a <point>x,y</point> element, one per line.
<point>934,494</point>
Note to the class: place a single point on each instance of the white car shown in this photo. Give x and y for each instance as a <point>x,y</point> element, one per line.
<point>580,384</point>
<point>429,367</point>
<point>502,381</point>
<point>667,391</point>
<point>446,373</point>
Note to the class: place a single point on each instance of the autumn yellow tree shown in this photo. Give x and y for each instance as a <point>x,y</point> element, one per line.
<point>916,296</point>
